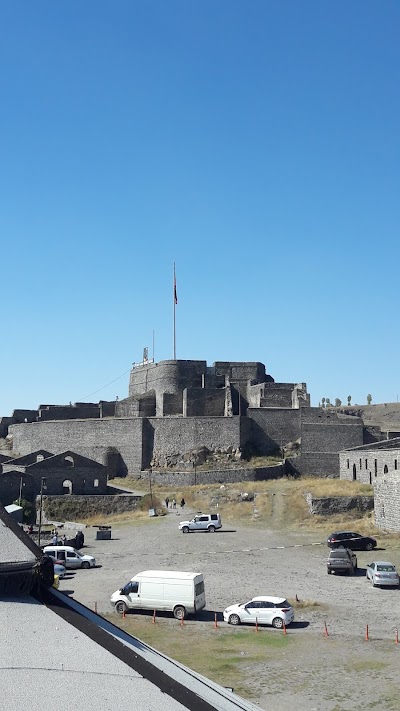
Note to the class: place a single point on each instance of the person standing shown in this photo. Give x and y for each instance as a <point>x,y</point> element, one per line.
<point>183,502</point>
<point>173,504</point>
<point>166,502</point>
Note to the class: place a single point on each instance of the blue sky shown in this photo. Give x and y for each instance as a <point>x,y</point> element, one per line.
<point>254,143</point>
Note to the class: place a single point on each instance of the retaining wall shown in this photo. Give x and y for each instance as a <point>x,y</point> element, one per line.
<point>220,476</point>
<point>60,508</point>
<point>330,505</point>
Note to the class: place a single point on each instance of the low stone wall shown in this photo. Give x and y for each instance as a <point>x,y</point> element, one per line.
<point>70,507</point>
<point>338,504</point>
<point>215,476</point>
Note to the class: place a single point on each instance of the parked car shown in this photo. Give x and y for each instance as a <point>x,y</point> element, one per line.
<point>350,539</point>
<point>70,557</point>
<point>275,611</point>
<point>202,522</point>
<point>341,560</point>
<point>382,573</point>
<point>59,570</point>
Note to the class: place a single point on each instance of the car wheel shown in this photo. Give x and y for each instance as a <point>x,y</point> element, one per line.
<point>234,620</point>
<point>121,607</point>
<point>185,529</point>
<point>277,622</point>
<point>211,529</point>
<point>369,547</point>
<point>179,612</point>
<point>85,565</point>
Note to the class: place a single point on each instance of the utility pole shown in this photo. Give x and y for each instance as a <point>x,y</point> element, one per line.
<point>20,492</point>
<point>151,490</point>
<point>43,485</point>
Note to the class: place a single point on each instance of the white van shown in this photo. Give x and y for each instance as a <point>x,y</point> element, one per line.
<point>70,557</point>
<point>164,590</point>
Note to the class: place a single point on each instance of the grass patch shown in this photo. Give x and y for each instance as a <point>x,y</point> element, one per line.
<point>279,504</point>
<point>367,665</point>
<point>223,655</point>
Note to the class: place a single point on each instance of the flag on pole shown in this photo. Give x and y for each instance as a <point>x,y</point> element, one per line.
<point>175,294</point>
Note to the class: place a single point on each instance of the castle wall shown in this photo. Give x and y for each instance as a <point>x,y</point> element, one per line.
<point>179,435</point>
<point>277,395</point>
<point>318,464</point>
<point>203,402</point>
<point>330,437</point>
<point>272,428</point>
<point>91,438</point>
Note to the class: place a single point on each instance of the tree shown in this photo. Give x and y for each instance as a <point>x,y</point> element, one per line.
<point>349,399</point>
<point>323,402</point>
<point>338,402</point>
<point>328,402</point>
<point>369,399</point>
<point>28,510</point>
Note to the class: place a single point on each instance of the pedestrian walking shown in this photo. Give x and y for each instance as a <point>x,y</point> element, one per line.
<point>54,540</point>
<point>166,502</point>
<point>173,504</point>
<point>183,502</point>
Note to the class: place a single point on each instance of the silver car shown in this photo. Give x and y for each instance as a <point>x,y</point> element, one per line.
<point>382,573</point>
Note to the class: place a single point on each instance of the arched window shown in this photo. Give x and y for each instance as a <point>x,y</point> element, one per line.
<point>96,482</point>
<point>67,486</point>
<point>39,457</point>
<point>69,460</point>
<point>385,469</point>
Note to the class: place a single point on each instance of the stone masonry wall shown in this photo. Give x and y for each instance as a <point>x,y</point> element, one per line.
<point>273,427</point>
<point>179,435</point>
<point>64,508</point>
<point>330,505</point>
<point>318,464</point>
<point>333,437</point>
<point>369,465</point>
<point>91,438</point>
<point>222,476</point>
<point>387,502</point>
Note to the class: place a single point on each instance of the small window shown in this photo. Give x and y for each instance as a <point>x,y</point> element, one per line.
<point>366,463</point>
<point>376,467</point>
<point>360,463</point>
<point>69,460</point>
<point>39,458</point>
<point>199,588</point>
<point>395,463</point>
<point>348,464</point>
<point>70,554</point>
<point>96,482</point>
<point>385,469</point>
<point>214,517</point>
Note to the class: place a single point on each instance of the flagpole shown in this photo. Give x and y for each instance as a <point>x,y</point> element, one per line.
<point>174,300</point>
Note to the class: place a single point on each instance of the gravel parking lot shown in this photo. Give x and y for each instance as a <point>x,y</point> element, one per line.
<point>241,562</point>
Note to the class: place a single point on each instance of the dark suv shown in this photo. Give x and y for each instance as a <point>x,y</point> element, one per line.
<point>341,560</point>
<point>350,539</point>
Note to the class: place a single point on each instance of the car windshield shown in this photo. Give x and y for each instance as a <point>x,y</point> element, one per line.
<point>386,568</point>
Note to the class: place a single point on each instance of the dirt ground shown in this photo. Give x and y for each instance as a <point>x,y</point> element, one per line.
<point>339,672</point>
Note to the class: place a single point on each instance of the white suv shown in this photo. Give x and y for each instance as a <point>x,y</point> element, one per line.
<point>201,522</point>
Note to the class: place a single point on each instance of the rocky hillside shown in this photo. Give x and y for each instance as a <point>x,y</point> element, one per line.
<point>385,415</point>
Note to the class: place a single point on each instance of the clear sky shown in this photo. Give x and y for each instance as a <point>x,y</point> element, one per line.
<point>255,143</point>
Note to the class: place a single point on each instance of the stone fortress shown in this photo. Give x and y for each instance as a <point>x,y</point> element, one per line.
<point>180,411</point>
